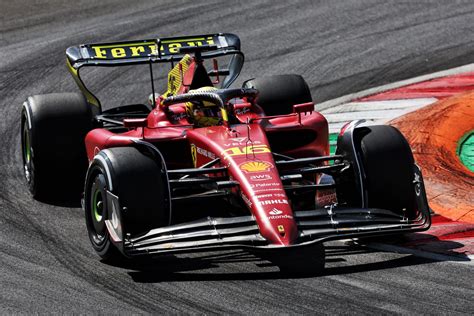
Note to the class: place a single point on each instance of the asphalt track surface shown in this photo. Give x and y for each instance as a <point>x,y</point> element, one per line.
<point>46,262</point>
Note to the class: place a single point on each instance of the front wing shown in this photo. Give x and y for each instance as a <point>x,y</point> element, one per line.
<point>314,226</point>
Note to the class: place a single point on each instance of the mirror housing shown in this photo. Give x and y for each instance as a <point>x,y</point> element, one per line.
<point>303,107</point>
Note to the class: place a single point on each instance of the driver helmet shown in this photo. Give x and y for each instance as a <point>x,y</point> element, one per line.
<point>204,113</point>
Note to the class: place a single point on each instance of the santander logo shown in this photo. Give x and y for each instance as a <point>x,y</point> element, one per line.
<point>276,214</point>
<point>275,211</point>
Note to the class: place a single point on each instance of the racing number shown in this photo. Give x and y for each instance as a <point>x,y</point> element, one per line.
<point>255,149</point>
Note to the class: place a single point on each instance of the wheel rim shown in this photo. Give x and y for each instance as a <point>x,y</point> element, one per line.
<point>97,206</point>
<point>98,209</point>
<point>27,161</point>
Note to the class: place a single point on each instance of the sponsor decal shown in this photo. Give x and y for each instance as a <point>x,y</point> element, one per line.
<point>178,116</point>
<point>417,182</point>
<point>241,111</point>
<point>270,195</point>
<point>265,189</point>
<point>205,153</point>
<point>260,177</point>
<point>238,139</point>
<point>274,201</point>
<point>262,196</point>
<point>281,229</point>
<point>146,48</point>
<point>326,198</point>
<point>246,150</point>
<point>255,166</point>
<point>265,185</point>
<point>274,217</point>
<point>246,200</point>
<point>275,211</point>
<point>241,139</point>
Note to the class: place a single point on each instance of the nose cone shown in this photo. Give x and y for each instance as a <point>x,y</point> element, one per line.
<point>263,192</point>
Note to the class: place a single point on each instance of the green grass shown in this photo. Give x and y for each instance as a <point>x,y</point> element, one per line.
<point>332,143</point>
<point>466,150</point>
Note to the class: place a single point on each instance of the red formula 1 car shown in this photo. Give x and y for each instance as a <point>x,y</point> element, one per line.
<point>203,168</point>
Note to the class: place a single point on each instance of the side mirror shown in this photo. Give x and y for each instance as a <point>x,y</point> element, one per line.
<point>134,123</point>
<point>303,107</point>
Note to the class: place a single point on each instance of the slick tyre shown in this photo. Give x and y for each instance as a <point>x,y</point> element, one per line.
<point>136,179</point>
<point>388,162</point>
<point>53,127</point>
<point>278,94</point>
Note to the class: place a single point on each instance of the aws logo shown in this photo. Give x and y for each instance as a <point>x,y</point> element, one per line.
<point>261,177</point>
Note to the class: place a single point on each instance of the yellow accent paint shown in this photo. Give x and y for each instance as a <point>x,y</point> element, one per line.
<point>256,166</point>
<point>118,52</point>
<point>91,99</point>
<point>174,76</point>
<point>252,149</point>
<point>224,115</point>
<point>99,53</point>
<point>194,154</point>
<point>174,47</point>
<point>125,45</point>
<point>184,40</point>
<point>154,50</point>
<point>136,50</point>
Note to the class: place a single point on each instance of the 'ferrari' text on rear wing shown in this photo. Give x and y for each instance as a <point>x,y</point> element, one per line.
<point>151,50</point>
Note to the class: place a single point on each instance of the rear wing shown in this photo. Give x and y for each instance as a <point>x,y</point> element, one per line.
<point>149,51</point>
<point>146,51</point>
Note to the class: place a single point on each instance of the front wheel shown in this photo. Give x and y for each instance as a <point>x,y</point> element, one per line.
<point>123,194</point>
<point>387,170</point>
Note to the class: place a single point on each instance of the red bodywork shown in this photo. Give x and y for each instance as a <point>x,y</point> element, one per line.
<point>245,149</point>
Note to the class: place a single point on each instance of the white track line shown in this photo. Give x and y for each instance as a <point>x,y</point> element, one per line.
<point>391,86</point>
<point>380,105</point>
<point>374,112</point>
<point>343,109</point>
<point>423,254</point>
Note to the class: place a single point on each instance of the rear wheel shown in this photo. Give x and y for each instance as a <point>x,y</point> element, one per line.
<point>136,179</point>
<point>278,94</point>
<point>53,127</point>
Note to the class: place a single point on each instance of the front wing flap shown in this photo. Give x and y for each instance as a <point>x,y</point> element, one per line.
<point>314,226</point>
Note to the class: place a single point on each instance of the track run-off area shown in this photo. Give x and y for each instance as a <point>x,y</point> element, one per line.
<point>47,264</point>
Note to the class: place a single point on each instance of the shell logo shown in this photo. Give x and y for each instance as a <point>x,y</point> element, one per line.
<point>256,166</point>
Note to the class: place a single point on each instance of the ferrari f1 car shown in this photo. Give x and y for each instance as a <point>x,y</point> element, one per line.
<point>204,166</point>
